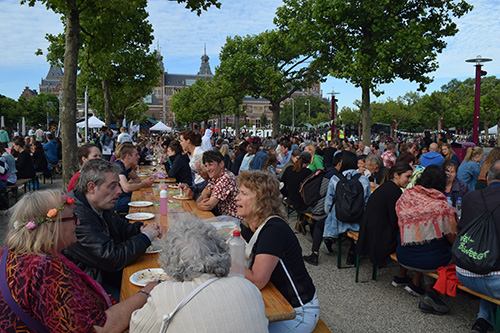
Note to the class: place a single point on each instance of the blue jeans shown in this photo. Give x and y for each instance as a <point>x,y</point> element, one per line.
<point>305,320</point>
<point>121,205</point>
<point>488,285</point>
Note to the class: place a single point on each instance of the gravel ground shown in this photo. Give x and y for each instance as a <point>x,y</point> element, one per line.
<point>367,306</point>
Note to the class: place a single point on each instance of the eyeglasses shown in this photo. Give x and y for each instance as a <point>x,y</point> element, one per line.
<point>73,218</point>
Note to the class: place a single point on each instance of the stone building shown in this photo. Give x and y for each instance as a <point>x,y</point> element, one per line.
<point>52,84</point>
<point>28,93</point>
<point>169,84</point>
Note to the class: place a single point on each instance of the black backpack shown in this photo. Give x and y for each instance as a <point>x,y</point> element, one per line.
<point>349,199</point>
<point>309,188</point>
<point>476,246</point>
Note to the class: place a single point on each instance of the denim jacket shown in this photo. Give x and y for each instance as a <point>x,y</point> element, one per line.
<point>334,227</point>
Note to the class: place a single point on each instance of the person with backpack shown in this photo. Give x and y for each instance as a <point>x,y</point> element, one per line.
<point>474,204</point>
<point>292,179</point>
<point>345,201</point>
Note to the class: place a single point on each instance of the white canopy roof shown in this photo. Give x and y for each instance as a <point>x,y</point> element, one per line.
<point>491,130</point>
<point>160,127</point>
<point>94,122</point>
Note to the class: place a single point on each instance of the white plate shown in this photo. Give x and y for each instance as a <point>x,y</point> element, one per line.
<point>142,174</point>
<point>139,216</point>
<point>140,203</point>
<point>179,197</point>
<point>154,247</point>
<point>175,186</point>
<point>141,278</point>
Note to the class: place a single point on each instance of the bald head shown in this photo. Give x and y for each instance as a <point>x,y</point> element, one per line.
<point>433,147</point>
<point>494,172</point>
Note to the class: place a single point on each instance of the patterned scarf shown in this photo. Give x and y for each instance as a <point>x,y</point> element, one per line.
<point>424,215</point>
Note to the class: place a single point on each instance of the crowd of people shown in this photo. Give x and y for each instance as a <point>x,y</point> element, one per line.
<point>69,250</point>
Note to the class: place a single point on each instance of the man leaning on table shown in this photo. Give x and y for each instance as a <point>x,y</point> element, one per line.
<point>221,190</point>
<point>105,243</point>
<point>129,181</point>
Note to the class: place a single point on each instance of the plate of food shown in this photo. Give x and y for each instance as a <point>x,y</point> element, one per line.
<point>174,186</point>
<point>141,278</point>
<point>139,216</point>
<point>181,197</point>
<point>140,204</point>
<point>142,174</point>
<point>154,247</point>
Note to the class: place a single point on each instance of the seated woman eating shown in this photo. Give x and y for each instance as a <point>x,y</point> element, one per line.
<point>273,251</point>
<point>41,290</point>
<point>192,254</point>
<point>427,228</point>
<point>177,165</point>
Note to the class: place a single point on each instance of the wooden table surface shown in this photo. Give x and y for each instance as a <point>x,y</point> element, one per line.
<point>277,307</point>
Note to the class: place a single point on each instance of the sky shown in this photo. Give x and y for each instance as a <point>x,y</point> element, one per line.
<point>181,36</point>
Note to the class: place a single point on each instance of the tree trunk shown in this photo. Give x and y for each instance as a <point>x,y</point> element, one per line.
<point>237,124</point>
<point>107,103</point>
<point>498,132</point>
<point>365,114</point>
<point>68,121</point>
<point>276,109</point>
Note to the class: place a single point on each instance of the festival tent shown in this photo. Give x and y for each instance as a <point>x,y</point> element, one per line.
<point>160,127</point>
<point>94,122</point>
<point>491,130</point>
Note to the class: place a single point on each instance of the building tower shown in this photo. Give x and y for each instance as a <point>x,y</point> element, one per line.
<point>205,66</point>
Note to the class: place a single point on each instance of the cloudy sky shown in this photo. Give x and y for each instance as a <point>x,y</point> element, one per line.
<point>181,36</point>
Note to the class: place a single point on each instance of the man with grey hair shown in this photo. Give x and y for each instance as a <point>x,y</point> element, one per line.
<point>474,204</point>
<point>268,147</point>
<point>193,253</point>
<point>105,243</point>
<point>432,157</point>
<point>375,165</point>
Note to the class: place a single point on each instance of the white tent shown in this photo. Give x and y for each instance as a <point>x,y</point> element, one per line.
<point>491,130</point>
<point>160,127</point>
<point>94,122</point>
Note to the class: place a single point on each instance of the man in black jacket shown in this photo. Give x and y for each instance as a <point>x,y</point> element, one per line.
<point>105,243</point>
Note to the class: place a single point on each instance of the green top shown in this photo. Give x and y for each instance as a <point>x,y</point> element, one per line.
<point>317,163</point>
<point>4,136</point>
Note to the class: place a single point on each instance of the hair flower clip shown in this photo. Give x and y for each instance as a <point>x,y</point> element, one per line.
<point>52,212</point>
<point>32,224</point>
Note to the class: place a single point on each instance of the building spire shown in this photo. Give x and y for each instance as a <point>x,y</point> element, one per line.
<point>205,66</point>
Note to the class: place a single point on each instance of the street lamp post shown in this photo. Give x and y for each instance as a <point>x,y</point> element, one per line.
<point>293,114</point>
<point>478,63</point>
<point>308,103</point>
<point>334,100</point>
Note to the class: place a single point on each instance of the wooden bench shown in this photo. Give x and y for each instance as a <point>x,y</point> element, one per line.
<point>321,327</point>
<point>496,316</point>
<point>354,235</point>
<point>15,188</point>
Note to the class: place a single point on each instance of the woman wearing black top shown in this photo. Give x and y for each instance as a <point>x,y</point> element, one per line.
<point>292,178</point>
<point>39,159</point>
<point>273,252</point>
<point>24,164</point>
<point>177,165</point>
<point>242,150</point>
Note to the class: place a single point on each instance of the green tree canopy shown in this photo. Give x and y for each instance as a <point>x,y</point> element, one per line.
<point>269,65</point>
<point>373,42</point>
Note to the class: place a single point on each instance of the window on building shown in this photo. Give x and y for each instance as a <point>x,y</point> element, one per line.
<point>257,122</point>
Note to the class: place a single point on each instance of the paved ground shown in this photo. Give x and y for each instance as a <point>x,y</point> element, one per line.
<point>368,306</point>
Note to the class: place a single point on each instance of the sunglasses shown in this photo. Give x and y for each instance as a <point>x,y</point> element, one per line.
<point>73,218</point>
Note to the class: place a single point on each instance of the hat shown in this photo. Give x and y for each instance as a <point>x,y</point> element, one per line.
<point>305,156</point>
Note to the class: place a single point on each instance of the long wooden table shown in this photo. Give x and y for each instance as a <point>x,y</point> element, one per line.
<point>277,307</point>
